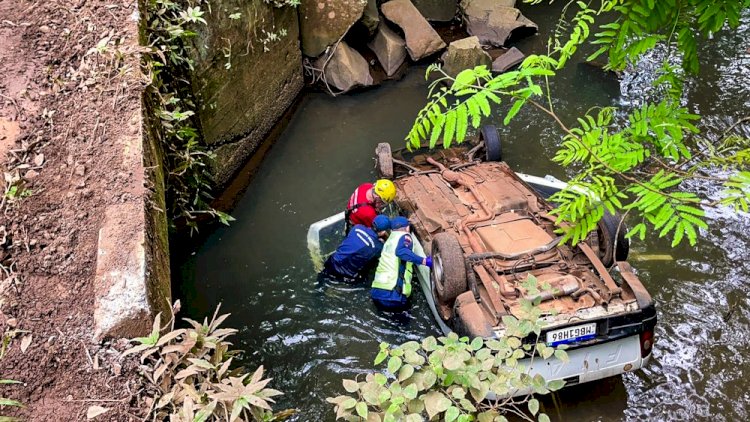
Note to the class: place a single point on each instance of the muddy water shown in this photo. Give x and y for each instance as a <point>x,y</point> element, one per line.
<point>309,336</point>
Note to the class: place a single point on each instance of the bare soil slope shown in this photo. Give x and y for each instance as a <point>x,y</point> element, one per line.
<point>69,86</point>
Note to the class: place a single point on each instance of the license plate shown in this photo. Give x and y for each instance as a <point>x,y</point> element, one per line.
<point>571,334</point>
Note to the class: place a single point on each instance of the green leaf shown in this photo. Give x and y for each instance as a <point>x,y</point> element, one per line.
<point>533,406</point>
<point>362,409</point>
<point>452,362</point>
<point>349,403</point>
<point>543,417</point>
<point>410,392</point>
<point>384,396</point>
<point>451,414</point>
<point>462,123</point>
<point>477,343</point>
<point>350,386</point>
<point>464,79</point>
<point>380,379</point>
<point>394,363</point>
<point>435,402</point>
<point>450,128</point>
<point>429,344</point>
<point>9,402</point>
<point>381,357</point>
<point>562,355</point>
<point>513,111</point>
<point>555,385</point>
<point>597,53</point>
<point>405,372</point>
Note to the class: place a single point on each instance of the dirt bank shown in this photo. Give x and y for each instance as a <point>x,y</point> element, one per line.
<point>69,82</point>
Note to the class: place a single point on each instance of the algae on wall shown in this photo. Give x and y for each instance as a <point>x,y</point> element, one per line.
<point>158,277</point>
<point>244,79</point>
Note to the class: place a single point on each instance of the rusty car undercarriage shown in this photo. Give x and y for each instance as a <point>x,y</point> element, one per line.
<point>488,231</point>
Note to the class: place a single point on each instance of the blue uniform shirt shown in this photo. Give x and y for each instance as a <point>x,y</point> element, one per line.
<point>357,252</point>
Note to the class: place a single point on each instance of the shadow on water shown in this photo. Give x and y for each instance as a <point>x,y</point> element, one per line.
<point>310,336</point>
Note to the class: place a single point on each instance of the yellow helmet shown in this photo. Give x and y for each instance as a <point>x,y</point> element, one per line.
<point>385,189</point>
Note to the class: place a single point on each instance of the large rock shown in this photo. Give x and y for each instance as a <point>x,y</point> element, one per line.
<point>437,10</point>
<point>390,49</point>
<point>347,69</point>
<point>492,21</point>
<point>421,39</point>
<point>463,54</point>
<point>240,105</point>
<point>323,22</point>
<point>509,59</point>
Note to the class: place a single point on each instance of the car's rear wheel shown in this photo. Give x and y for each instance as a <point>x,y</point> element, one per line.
<point>493,148</point>
<point>611,243</point>
<point>448,269</point>
<point>384,160</point>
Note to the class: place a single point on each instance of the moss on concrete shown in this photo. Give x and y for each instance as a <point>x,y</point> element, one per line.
<point>158,276</point>
<point>238,106</point>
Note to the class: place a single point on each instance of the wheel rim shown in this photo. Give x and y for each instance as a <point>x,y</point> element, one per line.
<point>437,269</point>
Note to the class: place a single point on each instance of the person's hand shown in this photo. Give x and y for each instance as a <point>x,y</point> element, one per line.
<point>427,262</point>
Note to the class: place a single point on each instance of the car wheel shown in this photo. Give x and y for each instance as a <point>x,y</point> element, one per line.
<point>448,269</point>
<point>493,149</point>
<point>610,251</point>
<point>384,160</point>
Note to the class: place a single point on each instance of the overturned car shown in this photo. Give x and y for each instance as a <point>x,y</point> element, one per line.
<point>489,228</point>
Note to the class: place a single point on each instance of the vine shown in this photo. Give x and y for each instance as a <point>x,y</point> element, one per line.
<point>187,158</point>
<point>170,25</point>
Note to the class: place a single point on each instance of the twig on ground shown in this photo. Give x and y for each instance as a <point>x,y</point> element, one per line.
<point>15,104</point>
<point>88,355</point>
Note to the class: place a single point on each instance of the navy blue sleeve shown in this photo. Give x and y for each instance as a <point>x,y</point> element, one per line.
<point>373,253</point>
<point>404,252</point>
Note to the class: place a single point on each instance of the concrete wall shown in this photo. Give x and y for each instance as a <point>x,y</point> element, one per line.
<point>238,106</point>
<point>132,280</point>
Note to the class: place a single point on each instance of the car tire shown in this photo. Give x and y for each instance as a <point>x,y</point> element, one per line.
<point>493,148</point>
<point>448,269</point>
<point>384,160</point>
<point>613,245</point>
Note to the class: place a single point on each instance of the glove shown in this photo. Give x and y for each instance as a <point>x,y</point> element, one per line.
<point>428,262</point>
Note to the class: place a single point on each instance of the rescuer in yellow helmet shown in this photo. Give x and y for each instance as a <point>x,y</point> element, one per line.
<point>368,200</point>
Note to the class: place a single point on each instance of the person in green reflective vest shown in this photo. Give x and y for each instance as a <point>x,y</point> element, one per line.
<point>391,287</point>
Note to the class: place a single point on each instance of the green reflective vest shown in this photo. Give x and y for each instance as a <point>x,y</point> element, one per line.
<point>386,276</point>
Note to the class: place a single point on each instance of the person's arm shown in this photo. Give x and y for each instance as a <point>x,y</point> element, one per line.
<point>365,215</point>
<point>404,251</point>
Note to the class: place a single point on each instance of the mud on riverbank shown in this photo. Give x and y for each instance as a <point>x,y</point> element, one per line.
<point>71,91</point>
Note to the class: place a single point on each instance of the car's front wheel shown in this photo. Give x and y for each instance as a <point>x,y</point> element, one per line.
<point>448,269</point>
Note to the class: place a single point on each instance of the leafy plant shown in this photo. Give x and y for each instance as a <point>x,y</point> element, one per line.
<point>283,3</point>
<point>170,27</point>
<point>15,192</point>
<point>187,157</point>
<point>638,165</point>
<point>6,402</point>
<point>458,379</point>
<point>190,371</point>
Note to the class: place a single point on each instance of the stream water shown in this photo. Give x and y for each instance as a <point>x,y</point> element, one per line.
<point>309,336</point>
